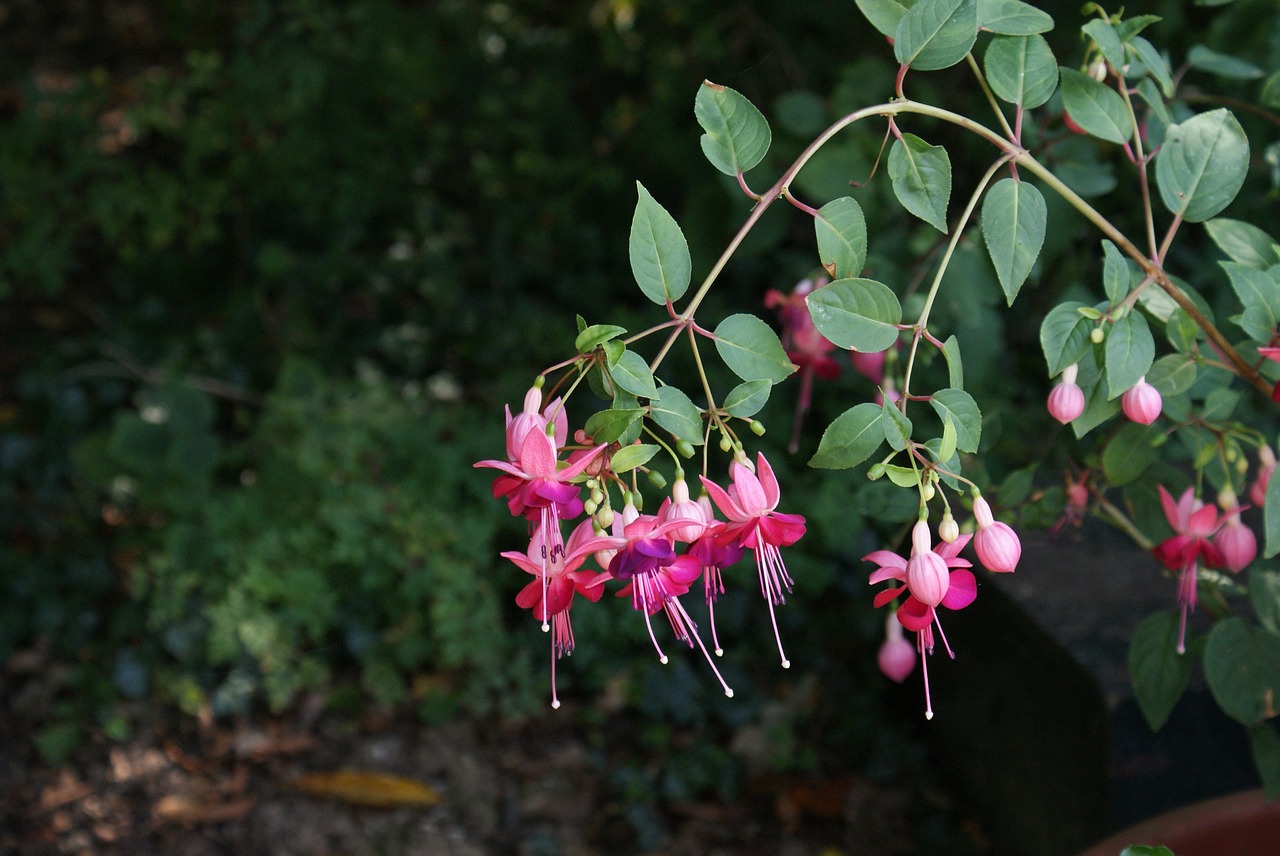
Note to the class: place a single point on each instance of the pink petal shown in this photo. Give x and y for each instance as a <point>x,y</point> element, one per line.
<point>915,615</point>
<point>962,591</point>
<point>887,573</point>
<point>723,501</point>
<point>886,559</point>
<point>523,561</point>
<point>530,596</point>
<point>1170,509</point>
<point>887,595</point>
<point>538,455</point>
<point>768,481</point>
<point>750,493</point>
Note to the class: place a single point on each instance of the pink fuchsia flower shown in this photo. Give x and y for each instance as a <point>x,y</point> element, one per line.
<point>916,615</point>
<point>896,657</point>
<point>557,579</point>
<point>1235,541</point>
<point>805,346</point>
<point>1142,403</point>
<point>996,543</point>
<point>1266,466</point>
<point>1274,355</point>
<point>714,557</point>
<point>927,574</point>
<point>529,419</point>
<point>749,505</point>
<point>1193,522</point>
<point>1066,400</point>
<point>681,508</point>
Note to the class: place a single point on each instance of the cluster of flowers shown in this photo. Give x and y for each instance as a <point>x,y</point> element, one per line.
<point>1141,402</point>
<point>936,576</point>
<point>658,557</point>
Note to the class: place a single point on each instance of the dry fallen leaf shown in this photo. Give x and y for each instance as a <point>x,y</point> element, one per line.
<point>378,790</point>
<point>187,810</point>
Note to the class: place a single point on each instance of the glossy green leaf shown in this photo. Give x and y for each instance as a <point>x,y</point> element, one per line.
<point>1155,64</point>
<point>737,135</point>
<point>884,15</point>
<point>1259,294</point>
<point>1172,374</point>
<point>1159,673</point>
<point>1064,336</point>
<point>674,411</point>
<point>1243,242</point>
<point>659,253</point>
<point>1130,350</point>
<point>632,373</point>
<point>1271,519</point>
<point>841,230</point>
<point>935,34</point>
<point>1264,594</point>
<point>1130,27</point>
<point>1146,850</point>
<point>1021,69</point>
<point>902,476</point>
<point>1097,109</point>
<point>1202,165</point>
<point>746,399</point>
<point>1242,667</point>
<point>1115,273</point>
<point>608,426</point>
<point>1099,404</point>
<point>856,313</point>
<point>613,351</point>
<point>1223,65</point>
<point>921,178</point>
<point>947,447</point>
<point>1013,227</point>
<point>850,439</point>
<point>1219,405</point>
<point>1181,331</point>
<point>1107,40</point>
<point>963,411</point>
<point>1012,18</point>
<point>751,349</point>
<point>629,457</point>
<point>895,425</point>
<point>596,335</point>
<point>1128,453</point>
<point>955,365</point>
<point>1265,745</point>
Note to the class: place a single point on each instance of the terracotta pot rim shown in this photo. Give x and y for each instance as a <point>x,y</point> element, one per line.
<point>1194,825</point>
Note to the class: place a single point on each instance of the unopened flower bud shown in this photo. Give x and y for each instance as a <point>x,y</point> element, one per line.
<point>1142,403</point>
<point>1096,335</point>
<point>927,576</point>
<point>996,543</point>
<point>757,427</point>
<point>928,491</point>
<point>875,472</point>
<point>685,449</point>
<point>657,479</point>
<point>897,656</point>
<point>1066,400</point>
<point>1266,466</point>
<point>948,529</point>
<point>590,506</point>
<point>683,508</point>
<point>604,517</point>
<point>725,443</point>
<point>1236,542</point>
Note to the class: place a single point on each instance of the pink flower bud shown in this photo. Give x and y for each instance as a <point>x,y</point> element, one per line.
<point>1066,400</point>
<point>927,576</point>
<point>1237,544</point>
<point>897,656</point>
<point>996,544</point>
<point>682,507</point>
<point>1266,466</point>
<point>1142,403</point>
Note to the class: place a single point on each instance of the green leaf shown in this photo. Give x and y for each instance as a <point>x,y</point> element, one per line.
<point>632,373</point>
<point>596,335</point>
<point>1012,18</point>
<point>613,351</point>
<point>1013,227</point>
<point>1016,487</point>
<point>1172,374</point>
<point>1266,757</point>
<point>746,399</point>
<point>902,476</point>
<point>1243,242</point>
<point>960,407</point>
<point>1097,109</point>
<point>1021,69</point>
<point>842,237</point>
<point>751,349</point>
<point>884,15</point>
<point>1155,63</point>
<point>1202,165</point>
<point>1264,593</point>
<point>1115,273</point>
<point>936,34</point>
<point>1130,27</point>
<point>1064,336</point>
<point>1108,41</point>
<point>608,426</point>
<point>629,457</point>
<point>1130,350</point>
<point>1128,453</point>
<point>1219,405</point>
<point>674,411</point>
<point>1145,850</point>
<point>1242,667</point>
<point>1181,331</point>
<point>1099,405</point>
<point>1223,65</point>
<point>737,135</point>
<point>921,178</point>
<point>1259,294</point>
<point>955,366</point>
<point>1159,673</point>
<point>659,253</point>
<point>850,439</point>
<point>856,313</point>
<point>896,426</point>
<point>947,447</point>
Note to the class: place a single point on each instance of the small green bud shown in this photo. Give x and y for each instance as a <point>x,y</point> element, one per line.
<point>539,381</point>
<point>948,529</point>
<point>1096,335</point>
<point>657,479</point>
<point>685,449</point>
<point>637,500</point>
<point>597,496</point>
<point>876,471</point>
<point>757,427</point>
<point>725,443</point>
<point>590,506</point>
<point>1231,453</point>
<point>1159,440</point>
<point>929,491</point>
<point>604,517</point>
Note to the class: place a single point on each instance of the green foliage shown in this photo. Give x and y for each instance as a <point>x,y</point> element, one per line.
<point>1159,673</point>
<point>659,252</point>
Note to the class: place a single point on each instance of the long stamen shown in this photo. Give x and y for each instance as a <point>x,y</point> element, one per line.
<point>924,668</point>
<point>945,644</point>
<point>674,603</point>
<point>766,585</point>
<point>713,585</point>
<point>555,701</point>
<point>641,598</point>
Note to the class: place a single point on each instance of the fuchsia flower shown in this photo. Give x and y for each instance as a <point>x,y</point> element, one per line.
<point>1272,354</point>
<point>1066,400</point>
<point>896,657</point>
<point>1266,466</point>
<point>916,613</point>
<point>753,523</point>
<point>996,543</point>
<point>529,419</point>
<point>1235,541</point>
<point>805,346</point>
<point>557,580</point>
<point>713,557</point>
<point>1142,403</point>
<point>1193,522</point>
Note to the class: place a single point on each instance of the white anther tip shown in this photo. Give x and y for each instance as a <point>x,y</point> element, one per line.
<point>928,714</point>
<point>728,693</point>
<point>719,652</point>
<point>555,705</point>
<point>663,659</point>
<point>786,664</point>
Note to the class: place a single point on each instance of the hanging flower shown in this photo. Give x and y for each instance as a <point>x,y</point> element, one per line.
<point>1066,400</point>
<point>1193,523</point>
<point>996,543</point>
<point>1142,403</point>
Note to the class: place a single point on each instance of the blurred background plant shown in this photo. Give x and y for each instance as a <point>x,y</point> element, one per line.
<point>270,270</point>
